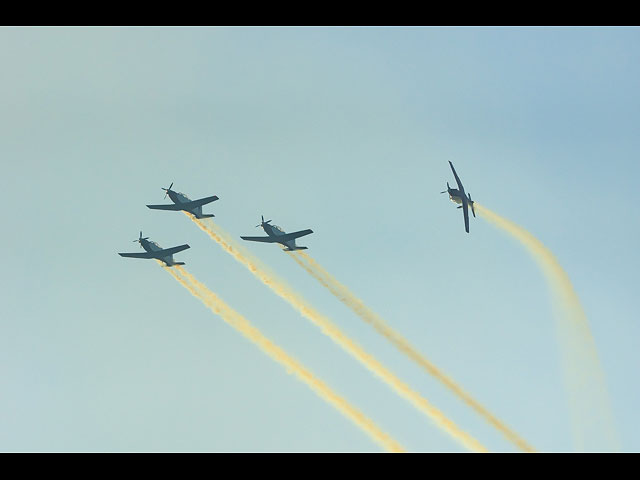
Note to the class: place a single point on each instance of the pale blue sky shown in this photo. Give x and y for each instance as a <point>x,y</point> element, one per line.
<point>343,130</point>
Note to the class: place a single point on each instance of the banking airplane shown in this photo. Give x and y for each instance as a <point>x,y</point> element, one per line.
<point>153,250</point>
<point>459,196</point>
<point>277,235</point>
<point>182,202</point>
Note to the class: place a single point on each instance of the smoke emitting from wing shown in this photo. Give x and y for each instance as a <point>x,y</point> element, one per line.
<point>592,419</point>
<point>328,328</point>
<point>347,297</point>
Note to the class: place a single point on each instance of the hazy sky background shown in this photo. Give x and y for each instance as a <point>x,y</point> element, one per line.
<point>343,130</point>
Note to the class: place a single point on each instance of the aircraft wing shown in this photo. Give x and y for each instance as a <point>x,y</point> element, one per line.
<point>199,202</point>
<point>460,187</point>
<point>186,205</point>
<point>156,254</point>
<point>173,206</point>
<point>170,251</point>
<point>465,211</point>
<point>138,255</point>
<point>261,239</point>
<point>290,236</point>
<point>279,238</point>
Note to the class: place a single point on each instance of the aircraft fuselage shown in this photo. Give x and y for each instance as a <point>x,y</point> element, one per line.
<point>150,246</point>
<point>179,197</point>
<point>456,196</point>
<point>275,231</point>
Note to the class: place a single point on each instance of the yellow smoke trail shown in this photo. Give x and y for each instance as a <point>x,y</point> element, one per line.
<point>590,409</point>
<point>328,328</point>
<point>241,324</point>
<point>354,303</point>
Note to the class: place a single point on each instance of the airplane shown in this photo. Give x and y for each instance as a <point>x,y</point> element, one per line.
<point>459,196</point>
<point>277,235</point>
<point>153,250</point>
<point>182,202</point>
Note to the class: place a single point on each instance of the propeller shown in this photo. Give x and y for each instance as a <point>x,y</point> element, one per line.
<point>139,240</point>
<point>167,190</point>
<point>263,222</point>
<point>447,188</point>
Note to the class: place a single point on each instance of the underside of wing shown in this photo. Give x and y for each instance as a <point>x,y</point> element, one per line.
<point>198,203</point>
<point>262,239</point>
<point>138,255</point>
<point>293,235</point>
<point>465,210</point>
<point>170,251</point>
<point>174,206</point>
<point>460,187</point>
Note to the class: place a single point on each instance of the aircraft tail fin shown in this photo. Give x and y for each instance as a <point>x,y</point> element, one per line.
<point>178,263</point>
<point>206,216</point>
<point>295,248</point>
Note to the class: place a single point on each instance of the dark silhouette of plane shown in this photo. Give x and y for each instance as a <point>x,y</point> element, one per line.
<point>182,202</point>
<point>153,250</point>
<point>277,235</point>
<point>460,197</point>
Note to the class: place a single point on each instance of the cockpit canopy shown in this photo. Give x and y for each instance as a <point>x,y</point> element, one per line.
<point>154,245</point>
<point>183,197</point>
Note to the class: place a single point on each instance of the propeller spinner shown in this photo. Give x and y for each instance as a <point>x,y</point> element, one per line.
<point>167,190</point>
<point>263,222</point>
<point>139,240</point>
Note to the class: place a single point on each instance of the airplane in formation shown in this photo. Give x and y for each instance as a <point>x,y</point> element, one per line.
<point>277,235</point>
<point>460,197</point>
<point>153,250</point>
<point>182,202</point>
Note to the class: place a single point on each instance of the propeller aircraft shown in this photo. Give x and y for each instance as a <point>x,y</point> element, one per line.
<point>182,202</point>
<point>277,235</point>
<point>460,197</point>
<point>153,250</point>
